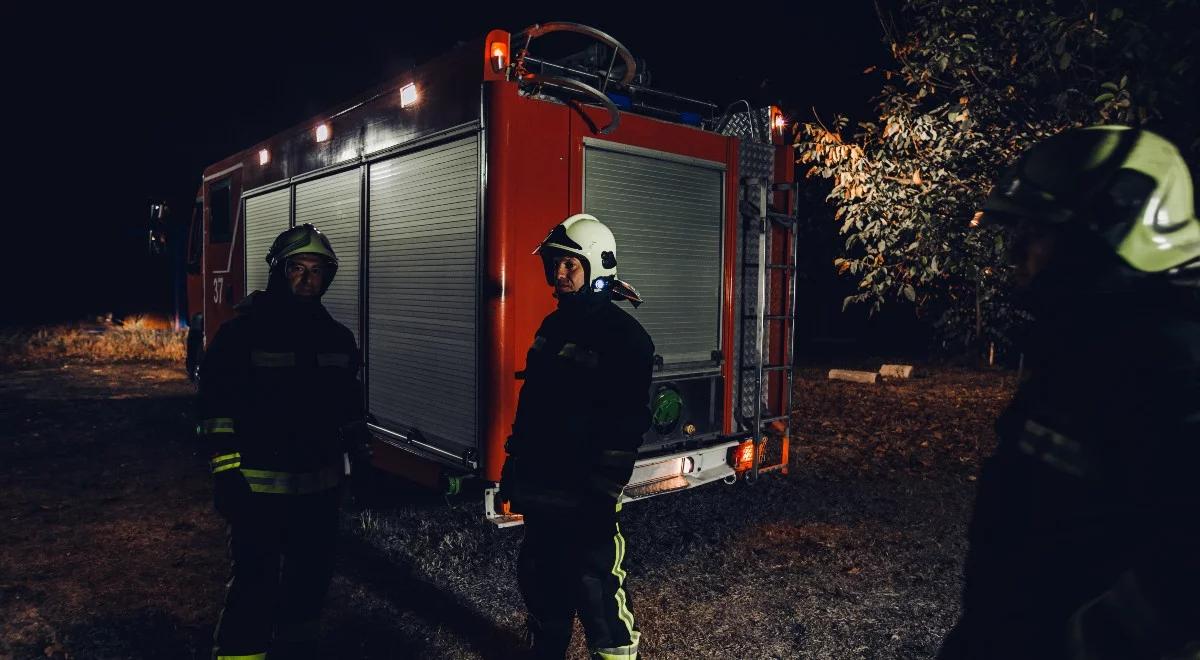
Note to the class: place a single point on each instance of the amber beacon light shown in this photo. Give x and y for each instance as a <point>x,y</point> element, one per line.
<point>498,55</point>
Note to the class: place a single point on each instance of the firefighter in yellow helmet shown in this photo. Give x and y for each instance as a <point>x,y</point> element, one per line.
<point>583,409</point>
<point>279,404</point>
<point>1085,541</point>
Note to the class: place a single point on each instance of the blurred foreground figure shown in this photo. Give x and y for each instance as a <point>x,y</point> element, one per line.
<point>1085,542</point>
<point>580,418</point>
<point>280,402</point>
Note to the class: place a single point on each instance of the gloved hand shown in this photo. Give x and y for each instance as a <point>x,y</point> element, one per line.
<point>231,494</point>
<point>1113,625</point>
<point>356,441</point>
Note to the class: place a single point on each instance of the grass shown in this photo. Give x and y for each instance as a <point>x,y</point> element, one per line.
<point>137,340</point>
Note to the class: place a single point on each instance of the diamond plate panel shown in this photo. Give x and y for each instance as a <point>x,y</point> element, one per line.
<point>749,126</point>
<point>754,160</point>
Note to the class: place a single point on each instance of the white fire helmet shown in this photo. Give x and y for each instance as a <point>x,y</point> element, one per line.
<point>589,239</point>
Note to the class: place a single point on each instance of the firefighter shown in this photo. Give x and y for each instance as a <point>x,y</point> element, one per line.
<point>583,408</point>
<point>1085,540</point>
<point>280,403</point>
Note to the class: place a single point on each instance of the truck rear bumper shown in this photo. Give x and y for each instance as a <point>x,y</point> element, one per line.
<point>656,475</point>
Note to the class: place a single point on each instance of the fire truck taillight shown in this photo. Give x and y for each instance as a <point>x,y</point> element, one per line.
<point>498,54</point>
<point>322,132</point>
<point>742,457</point>
<point>408,95</point>
<point>264,156</point>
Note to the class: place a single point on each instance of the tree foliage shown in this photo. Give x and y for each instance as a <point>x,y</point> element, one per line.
<point>973,84</point>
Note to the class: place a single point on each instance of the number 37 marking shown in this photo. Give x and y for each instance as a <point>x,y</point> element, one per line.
<point>218,286</point>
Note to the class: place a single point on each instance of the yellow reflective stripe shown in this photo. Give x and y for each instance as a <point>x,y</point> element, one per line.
<point>225,462</point>
<point>292,483</point>
<point>252,656</point>
<point>623,612</point>
<point>216,425</point>
<point>333,360</point>
<point>266,359</point>
<point>619,652</point>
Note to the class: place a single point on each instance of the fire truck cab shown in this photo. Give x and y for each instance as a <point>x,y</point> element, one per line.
<point>434,188</point>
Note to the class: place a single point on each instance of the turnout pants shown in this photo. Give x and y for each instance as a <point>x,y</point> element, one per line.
<point>282,554</point>
<point>572,565</point>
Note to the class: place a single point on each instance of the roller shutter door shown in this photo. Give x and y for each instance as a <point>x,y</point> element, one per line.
<point>332,204</point>
<point>266,217</point>
<point>666,216</point>
<point>422,294</point>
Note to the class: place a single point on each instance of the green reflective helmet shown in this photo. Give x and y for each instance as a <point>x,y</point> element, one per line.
<point>1129,186</point>
<point>302,239</point>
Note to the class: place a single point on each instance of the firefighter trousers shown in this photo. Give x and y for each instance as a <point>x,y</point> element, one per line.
<point>282,555</point>
<point>572,564</point>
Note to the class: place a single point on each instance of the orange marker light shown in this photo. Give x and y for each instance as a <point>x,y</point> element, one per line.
<point>322,132</point>
<point>498,54</point>
<point>743,455</point>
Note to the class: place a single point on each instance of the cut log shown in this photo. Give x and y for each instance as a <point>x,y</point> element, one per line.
<point>896,371</point>
<point>853,376</point>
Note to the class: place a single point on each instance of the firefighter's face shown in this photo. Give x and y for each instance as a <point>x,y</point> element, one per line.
<point>568,274</point>
<point>306,275</point>
<point>1030,250</point>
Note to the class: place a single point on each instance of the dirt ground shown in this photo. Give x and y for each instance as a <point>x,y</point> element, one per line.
<point>110,549</point>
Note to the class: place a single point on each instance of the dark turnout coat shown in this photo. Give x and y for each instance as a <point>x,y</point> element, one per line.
<point>282,376</point>
<point>1086,533</point>
<point>583,409</point>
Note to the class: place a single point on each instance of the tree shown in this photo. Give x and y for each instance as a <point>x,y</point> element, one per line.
<point>973,84</point>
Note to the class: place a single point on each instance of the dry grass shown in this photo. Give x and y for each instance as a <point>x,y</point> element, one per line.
<point>111,549</point>
<point>138,340</point>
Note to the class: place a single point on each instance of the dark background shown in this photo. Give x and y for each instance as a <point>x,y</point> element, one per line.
<point>114,110</point>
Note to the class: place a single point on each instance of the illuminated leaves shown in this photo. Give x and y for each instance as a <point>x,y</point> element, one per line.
<point>967,92</point>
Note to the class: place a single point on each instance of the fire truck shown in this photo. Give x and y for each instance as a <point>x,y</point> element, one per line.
<point>435,186</point>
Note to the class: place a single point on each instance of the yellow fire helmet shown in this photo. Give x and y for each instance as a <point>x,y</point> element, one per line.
<point>302,239</point>
<point>1130,186</point>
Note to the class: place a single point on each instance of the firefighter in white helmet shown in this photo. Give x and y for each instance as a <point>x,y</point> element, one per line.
<point>1085,541</point>
<point>279,403</point>
<point>583,409</point>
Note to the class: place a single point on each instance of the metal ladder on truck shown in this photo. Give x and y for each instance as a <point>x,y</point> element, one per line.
<point>773,416</point>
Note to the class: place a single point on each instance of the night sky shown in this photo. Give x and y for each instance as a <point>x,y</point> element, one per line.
<point>115,110</point>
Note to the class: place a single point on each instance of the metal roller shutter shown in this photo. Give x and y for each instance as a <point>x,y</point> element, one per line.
<point>266,217</point>
<point>422,293</point>
<point>666,216</point>
<point>332,204</point>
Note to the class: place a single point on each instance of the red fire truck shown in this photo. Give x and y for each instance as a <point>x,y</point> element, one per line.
<point>434,188</point>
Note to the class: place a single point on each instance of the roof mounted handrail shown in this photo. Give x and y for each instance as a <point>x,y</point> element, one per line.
<point>619,50</point>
